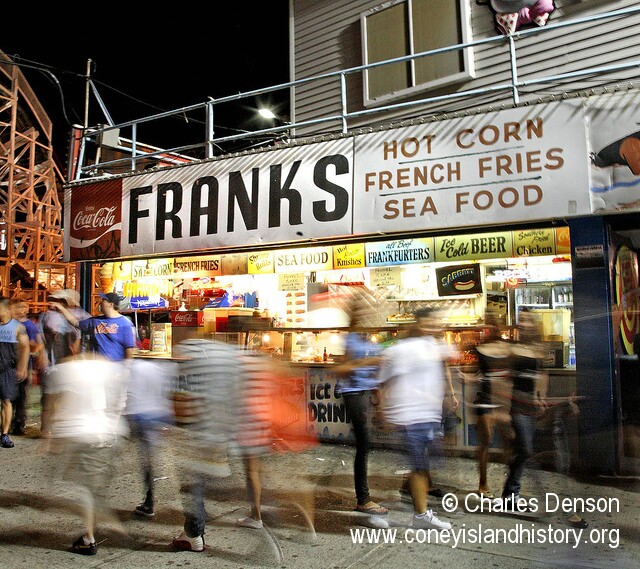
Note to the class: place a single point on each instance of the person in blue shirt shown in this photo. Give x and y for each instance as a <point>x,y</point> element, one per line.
<point>111,334</point>
<point>357,386</point>
<point>19,310</point>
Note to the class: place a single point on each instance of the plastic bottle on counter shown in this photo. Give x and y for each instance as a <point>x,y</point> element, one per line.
<point>325,357</point>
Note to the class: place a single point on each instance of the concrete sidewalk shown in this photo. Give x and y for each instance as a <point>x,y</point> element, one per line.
<point>39,524</point>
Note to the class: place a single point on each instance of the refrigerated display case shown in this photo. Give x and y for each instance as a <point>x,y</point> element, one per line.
<point>540,296</point>
<point>551,303</point>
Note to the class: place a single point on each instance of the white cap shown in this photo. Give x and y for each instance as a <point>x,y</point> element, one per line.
<point>67,294</point>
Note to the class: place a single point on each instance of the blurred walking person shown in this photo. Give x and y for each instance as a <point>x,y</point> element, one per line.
<point>19,309</point>
<point>148,411</point>
<point>414,381</point>
<point>210,377</point>
<point>86,396</point>
<point>358,384</point>
<point>271,422</point>
<point>61,341</point>
<point>527,404</point>
<point>492,402</point>
<point>14,361</point>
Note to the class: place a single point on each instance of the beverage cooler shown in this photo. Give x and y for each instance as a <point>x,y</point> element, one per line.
<point>552,306</point>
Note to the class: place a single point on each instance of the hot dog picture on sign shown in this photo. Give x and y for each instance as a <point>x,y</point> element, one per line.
<point>459,279</point>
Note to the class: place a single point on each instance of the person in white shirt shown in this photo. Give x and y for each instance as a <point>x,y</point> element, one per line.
<point>85,396</point>
<point>414,379</point>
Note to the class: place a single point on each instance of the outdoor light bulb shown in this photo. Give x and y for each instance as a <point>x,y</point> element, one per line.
<point>266,113</point>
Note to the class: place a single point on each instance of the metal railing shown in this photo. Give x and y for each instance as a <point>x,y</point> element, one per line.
<point>211,142</point>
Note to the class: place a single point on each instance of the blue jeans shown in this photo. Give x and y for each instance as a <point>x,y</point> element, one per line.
<point>146,430</point>
<point>195,515</point>
<point>357,404</point>
<point>421,441</point>
<point>524,427</point>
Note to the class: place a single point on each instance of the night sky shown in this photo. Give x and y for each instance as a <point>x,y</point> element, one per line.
<point>149,60</point>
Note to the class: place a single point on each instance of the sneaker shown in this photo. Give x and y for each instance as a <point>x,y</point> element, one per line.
<point>185,543</point>
<point>144,511</point>
<point>6,442</point>
<point>378,522</point>
<point>429,520</point>
<point>250,522</point>
<point>81,547</point>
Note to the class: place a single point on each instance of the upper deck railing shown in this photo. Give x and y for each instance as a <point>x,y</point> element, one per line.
<point>210,142</point>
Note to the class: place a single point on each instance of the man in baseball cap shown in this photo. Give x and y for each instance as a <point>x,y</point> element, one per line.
<point>111,297</point>
<point>111,334</point>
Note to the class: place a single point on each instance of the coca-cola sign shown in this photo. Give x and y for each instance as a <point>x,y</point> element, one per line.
<point>186,318</point>
<point>96,221</point>
<point>101,218</point>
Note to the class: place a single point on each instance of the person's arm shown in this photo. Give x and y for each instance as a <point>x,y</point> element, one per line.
<point>69,316</point>
<point>24,350</point>
<point>450,389</point>
<point>350,365</point>
<point>541,387</point>
<point>40,355</point>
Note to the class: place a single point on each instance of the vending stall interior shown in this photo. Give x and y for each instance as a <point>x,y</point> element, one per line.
<point>293,304</point>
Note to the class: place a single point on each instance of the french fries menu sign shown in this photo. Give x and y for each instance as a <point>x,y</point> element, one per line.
<point>459,279</point>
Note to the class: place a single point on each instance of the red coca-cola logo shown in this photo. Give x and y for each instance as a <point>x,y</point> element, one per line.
<point>188,318</point>
<point>101,218</point>
<point>96,219</point>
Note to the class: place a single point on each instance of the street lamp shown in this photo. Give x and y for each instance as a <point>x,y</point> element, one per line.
<point>266,113</point>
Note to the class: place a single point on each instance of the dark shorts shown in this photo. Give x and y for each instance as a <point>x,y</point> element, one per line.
<point>421,441</point>
<point>8,385</point>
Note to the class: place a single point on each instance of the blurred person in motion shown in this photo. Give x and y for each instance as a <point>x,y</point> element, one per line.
<point>563,412</point>
<point>492,400</point>
<point>358,386</point>
<point>85,398</point>
<point>19,309</point>
<point>272,421</point>
<point>61,341</point>
<point>111,334</point>
<point>414,382</point>
<point>210,377</point>
<point>529,387</point>
<point>14,362</point>
<point>148,412</point>
<point>255,439</point>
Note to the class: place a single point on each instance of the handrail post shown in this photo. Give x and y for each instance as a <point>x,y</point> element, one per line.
<point>134,135</point>
<point>210,128</point>
<point>514,69</point>
<point>343,102</point>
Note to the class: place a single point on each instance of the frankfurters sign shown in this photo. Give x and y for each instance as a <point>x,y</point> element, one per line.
<point>459,279</point>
